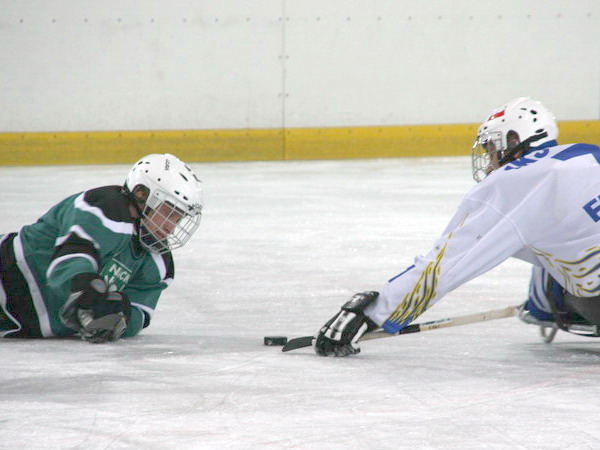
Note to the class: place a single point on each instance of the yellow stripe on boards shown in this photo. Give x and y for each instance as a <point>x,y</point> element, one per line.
<point>379,142</point>
<point>573,132</point>
<point>125,147</point>
<point>128,146</point>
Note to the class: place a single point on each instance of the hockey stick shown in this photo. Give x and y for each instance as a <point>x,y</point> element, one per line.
<point>509,311</point>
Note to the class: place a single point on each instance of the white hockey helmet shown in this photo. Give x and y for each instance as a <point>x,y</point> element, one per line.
<point>169,200</point>
<point>508,132</point>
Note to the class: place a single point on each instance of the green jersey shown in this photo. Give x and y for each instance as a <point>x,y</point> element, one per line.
<point>91,231</point>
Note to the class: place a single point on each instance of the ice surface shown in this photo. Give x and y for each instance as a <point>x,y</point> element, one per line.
<point>281,246</point>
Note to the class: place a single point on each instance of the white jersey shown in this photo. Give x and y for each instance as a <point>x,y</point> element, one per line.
<point>543,208</point>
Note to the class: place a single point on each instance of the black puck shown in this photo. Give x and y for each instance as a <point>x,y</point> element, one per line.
<point>275,340</point>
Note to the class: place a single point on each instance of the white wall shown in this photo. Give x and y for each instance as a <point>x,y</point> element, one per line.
<point>183,64</point>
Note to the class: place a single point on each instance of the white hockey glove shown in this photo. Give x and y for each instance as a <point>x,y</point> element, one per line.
<point>97,315</point>
<point>339,336</point>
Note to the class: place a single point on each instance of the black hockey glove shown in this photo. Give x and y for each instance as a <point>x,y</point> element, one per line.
<point>339,336</point>
<point>98,315</point>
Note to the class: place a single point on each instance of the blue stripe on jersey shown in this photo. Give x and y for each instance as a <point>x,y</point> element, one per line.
<point>401,273</point>
<point>393,327</point>
<point>544,145</point>
<point>578,150</point>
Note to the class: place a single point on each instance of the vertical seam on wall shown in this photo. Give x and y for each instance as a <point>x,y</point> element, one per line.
<point>283,80</point>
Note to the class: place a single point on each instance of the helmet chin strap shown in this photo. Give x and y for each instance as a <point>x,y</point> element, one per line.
<point>511,154</point>
<point>136,202</point>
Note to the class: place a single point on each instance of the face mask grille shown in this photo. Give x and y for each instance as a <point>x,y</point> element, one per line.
<point>486,154</point>
<point>166,227</point>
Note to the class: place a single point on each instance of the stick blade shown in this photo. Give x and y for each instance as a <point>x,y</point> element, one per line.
<point>293,344</point>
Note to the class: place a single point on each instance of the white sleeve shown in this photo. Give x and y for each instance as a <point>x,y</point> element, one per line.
<point>477,239</point>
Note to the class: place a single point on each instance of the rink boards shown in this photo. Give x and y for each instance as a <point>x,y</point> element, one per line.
<point>107,147</point>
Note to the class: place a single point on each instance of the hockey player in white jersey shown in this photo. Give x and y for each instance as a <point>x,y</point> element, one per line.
<point>536,201</point>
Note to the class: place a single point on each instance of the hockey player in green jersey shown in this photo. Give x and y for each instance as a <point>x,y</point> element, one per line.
<point>96,263</point>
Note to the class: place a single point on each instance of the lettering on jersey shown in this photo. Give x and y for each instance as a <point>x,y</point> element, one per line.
<point>526,160</point>
<point>592,208</point>
<point>116,274</point>
<point>571,152</point>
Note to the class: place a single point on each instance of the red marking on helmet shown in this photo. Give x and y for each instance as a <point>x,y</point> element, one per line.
<point>496,115</point>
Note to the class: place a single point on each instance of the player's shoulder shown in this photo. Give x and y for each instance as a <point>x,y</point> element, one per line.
<point>570,151</point>
<point>109,201</point>
<point>540,160</point>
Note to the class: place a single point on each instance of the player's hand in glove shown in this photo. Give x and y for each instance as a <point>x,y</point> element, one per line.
<point>339,336</point>
<point>98,315</point>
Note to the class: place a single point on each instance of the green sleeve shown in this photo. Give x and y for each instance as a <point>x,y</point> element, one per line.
<point>143,302</point>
